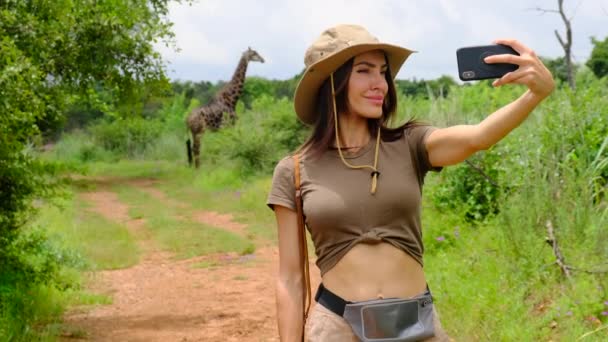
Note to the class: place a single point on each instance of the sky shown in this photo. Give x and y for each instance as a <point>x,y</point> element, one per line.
<point>211,35</point>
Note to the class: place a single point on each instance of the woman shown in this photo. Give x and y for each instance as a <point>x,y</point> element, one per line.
<point>361,182</point>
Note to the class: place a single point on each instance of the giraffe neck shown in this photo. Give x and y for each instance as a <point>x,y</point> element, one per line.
<point>233,90</point>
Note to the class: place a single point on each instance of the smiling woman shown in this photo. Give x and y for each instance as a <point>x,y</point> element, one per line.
<point>358,223</point>
<point>362,205</point>
<point>367,86</point>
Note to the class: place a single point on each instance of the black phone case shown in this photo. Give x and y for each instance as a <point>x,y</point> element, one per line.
<point>472,67</point>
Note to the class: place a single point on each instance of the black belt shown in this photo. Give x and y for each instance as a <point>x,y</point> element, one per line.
<point>330,300</point>
<point>335,303</point>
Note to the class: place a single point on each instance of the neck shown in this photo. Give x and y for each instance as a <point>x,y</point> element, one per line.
<point>239,73</point>
<point>354,131</point>
<point>232,91</point>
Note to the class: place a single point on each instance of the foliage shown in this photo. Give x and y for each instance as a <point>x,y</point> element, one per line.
<point>552,171</point>
<point>261,136</point>
<point>598,61</point>
<point>54,54</point>
<point>89,50</point>
<point>202,91</point>
<point>485,251</point>
<point>488,240</point>
<point>254,88</point>
<point>128,137</point>
<point>472,187</point>
<point>439,87</point>
<point>558,68</point>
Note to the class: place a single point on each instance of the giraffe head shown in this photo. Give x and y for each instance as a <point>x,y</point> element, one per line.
<point>253,56</point>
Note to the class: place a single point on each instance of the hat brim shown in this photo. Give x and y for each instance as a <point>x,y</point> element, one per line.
<point>307,90</point>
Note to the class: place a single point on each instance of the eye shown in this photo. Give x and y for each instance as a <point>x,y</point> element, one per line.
<point>362,71</point>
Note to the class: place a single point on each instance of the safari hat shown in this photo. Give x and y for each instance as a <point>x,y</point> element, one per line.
<point>334,47</point>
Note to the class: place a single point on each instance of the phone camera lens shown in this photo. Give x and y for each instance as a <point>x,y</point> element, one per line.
<point>468,74</point>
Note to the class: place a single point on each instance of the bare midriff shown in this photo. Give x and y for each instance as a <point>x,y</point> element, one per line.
<point>372,271</point>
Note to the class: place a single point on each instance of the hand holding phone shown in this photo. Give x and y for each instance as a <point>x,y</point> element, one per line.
<point>471,64</point>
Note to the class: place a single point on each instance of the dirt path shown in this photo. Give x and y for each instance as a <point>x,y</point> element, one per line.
<point>161,299</point>
<point>207,217</point>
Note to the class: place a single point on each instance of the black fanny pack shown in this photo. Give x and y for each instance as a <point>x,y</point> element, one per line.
<point>387,320</point>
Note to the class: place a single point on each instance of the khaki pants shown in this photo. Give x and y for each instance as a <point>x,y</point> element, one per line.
<point>323,325</point>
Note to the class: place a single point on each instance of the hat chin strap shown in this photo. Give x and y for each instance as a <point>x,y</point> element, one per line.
<point>374,168</point>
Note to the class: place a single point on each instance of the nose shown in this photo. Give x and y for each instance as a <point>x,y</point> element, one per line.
<point>379,82</point>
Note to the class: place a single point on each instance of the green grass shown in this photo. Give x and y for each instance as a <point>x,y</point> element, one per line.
<point>246,202</point>
<point>81,298</point>
<point>219,188</point>
<point>136,169</point>
<point>207,264</point>
<point>507,291</point>
<point>81,241</point>
<point>43,305</point>
<point>176,232</point>
<point>473,270</point>
<point>102,243</point>
<point>494,279</point>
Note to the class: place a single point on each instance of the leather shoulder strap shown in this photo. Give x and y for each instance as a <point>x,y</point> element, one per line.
<point>296,171</point>
<point>303,245</point>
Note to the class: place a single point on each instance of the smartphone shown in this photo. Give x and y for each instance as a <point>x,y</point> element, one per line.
<point>472,67</point>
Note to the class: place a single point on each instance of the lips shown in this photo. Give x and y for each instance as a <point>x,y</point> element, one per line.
<point>377,100</point>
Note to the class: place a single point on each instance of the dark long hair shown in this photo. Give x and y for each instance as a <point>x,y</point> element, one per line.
<point>323,132</point>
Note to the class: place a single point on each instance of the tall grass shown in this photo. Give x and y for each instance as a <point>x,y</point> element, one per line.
<point>74,241</point>
<point>485,223</point>
<point>500,272</point>
<point>99,243</point>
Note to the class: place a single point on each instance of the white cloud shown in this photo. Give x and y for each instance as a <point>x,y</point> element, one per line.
<point>451,10</point>
<point>213,33</point>
<point>193,42</point>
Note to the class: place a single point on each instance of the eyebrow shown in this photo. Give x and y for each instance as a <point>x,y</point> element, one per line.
<point>371,65</point>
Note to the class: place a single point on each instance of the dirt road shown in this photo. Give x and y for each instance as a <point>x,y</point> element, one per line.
<point>163,299</point>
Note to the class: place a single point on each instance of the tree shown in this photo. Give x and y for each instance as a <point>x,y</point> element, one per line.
<point>54,54</point>
<point>567,43</point>
<point>598,62</point>
<point>558,67</point>
<point>433,88</point>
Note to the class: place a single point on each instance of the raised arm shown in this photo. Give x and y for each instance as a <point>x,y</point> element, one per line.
<point>289,285</point>
<point>451,145</point>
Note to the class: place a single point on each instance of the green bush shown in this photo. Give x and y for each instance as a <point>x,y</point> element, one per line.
<point>77,147</point>
<point>278,118</point>
<point>127,137</point>
<point>598,61</point>
<point>472,187</point>
<point>31,267</point>
<point>260,137</point>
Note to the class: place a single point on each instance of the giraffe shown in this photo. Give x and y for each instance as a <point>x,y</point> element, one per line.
<point>211,116</point>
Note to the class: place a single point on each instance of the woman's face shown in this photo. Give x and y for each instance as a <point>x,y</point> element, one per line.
<point>367,85</point>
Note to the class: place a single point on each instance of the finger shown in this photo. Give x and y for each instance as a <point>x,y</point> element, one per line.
<point>524,80</point>
<point>505,58</point>
<point>515,44</point>
<point>501,81</point>
<point>510,77</point>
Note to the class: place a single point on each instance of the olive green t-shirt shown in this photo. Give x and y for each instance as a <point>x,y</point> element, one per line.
<point>339,208</point>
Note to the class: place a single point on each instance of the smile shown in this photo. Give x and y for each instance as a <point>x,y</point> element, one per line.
<point>377,100</point>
